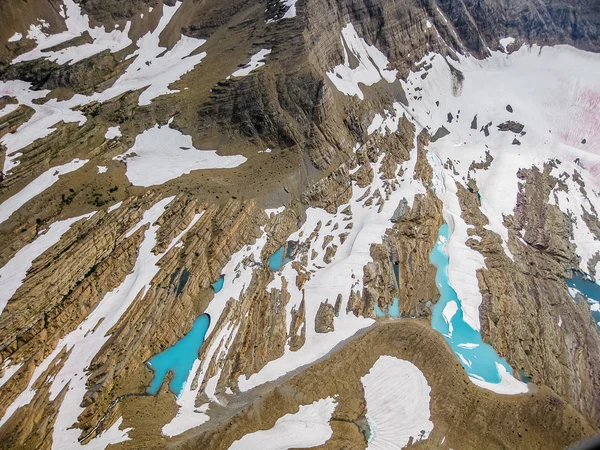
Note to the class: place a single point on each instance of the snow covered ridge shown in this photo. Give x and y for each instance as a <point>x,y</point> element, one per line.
<point>371,65</point>
<point>162,153</point>
<point>307,428</point>
<point>397,396</point>
<point>153,70</point>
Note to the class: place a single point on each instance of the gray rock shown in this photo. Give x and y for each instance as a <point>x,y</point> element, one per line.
<point>400,211</point>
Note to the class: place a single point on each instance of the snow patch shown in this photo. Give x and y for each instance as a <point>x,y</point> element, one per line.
<point>505,42</point>
<point>112,132</point>
<point>15,37</point>
<point>256,61</point>
<point>162,153</point>
<point>154,69</point>
<point>397,396</point>
<point>15,270</point>
<point>77,24</point>
<point>307,428</point>
<point>37,186</point>
<point>371,65</point>
<point>85,341</point>
<point>508,386</point>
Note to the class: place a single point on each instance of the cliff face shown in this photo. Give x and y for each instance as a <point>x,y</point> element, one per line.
<point>344,133</point>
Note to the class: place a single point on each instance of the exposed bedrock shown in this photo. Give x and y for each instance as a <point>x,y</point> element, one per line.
<point>526,313</point>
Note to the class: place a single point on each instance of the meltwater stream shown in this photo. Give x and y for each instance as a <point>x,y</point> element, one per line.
<point>479,359</point>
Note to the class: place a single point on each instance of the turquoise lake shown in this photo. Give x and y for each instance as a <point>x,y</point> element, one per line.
<point>393,310</point>
<point>478,358</point>
<point>218,285</point>
<point>589,290</point>
<point>278,259</point>
<point>179,358</point>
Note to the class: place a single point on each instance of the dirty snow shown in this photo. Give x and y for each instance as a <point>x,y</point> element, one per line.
<point>397,396</point>
<point>307,428</point>
<point>162,153</point>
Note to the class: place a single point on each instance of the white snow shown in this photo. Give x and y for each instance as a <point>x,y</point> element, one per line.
<point>307,428</point>
<point>9,371</point>
<point>112,132</point>
<point>468,345</point>
<point>102,169</point>
<point>85,341</point>
<point>15,270</point>
<point>371,65</point>
<point>237,278</point>
<point>448,313</point>
<point>449,310</point>
<point>290,12</point>
<point>275,210</point>
<point>76,24</point>
<point>153,70</point>
<point>556,105</point>
<point>37,186</point>
<point>505,42</point>
<point>15,37</point>
<point>397,396</point>
<point>113,207</point>
<point>508,386</point>
<point>256,61</point>
<point>162,153</point>
<point>341,276</point>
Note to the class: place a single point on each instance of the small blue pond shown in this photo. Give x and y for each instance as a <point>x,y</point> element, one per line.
<point>478,358</point>
<point>218,285</point>
<point>393,310</point>
<point>579,284</point>
<point>281,257</point>
<point>179,358</point>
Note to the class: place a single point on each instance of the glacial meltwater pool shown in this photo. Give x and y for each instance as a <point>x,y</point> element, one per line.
<point>281,257</point>
<point>589,290</point>
<point>218,285</point>
<point>393,310</point>
<point>179,358</point>
<point>478,358</point>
